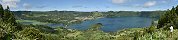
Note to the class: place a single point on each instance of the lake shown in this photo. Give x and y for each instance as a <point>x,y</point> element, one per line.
<point>115,24</point>
<point>109,24</point>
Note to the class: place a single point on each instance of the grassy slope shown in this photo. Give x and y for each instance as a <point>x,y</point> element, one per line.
<point>141,34</point>
<point>33,22</point>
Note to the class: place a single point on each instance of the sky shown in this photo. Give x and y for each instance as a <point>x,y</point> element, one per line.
<point>89,5</point>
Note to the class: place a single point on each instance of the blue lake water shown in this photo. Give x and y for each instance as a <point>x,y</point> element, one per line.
<point>111,24</point>
<point>115,24</point>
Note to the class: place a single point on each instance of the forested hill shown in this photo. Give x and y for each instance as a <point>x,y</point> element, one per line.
<point>154,14</point>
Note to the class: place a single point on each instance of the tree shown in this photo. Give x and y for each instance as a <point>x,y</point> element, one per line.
<point>1,11</point>
<point>169,17</point>
<point>8,17</point>
<point>163,19</point>
<point>176,9</point>
<point>175,22</point>
<point>6,14</point>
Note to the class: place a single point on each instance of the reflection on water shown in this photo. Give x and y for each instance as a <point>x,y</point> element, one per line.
<point>109,24</point>
<point>114,24</point>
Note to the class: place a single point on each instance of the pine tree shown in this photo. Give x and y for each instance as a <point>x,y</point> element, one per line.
<point>163,20</point>
<point>172,14</point>
<point>1,11</point>
<point>176,9</point>
<point>6,14</point>
<point>175,22</point>
<point>8,17</point>
<point>169,17</point>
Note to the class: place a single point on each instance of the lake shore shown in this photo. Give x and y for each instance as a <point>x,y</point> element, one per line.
<point>110,24</point>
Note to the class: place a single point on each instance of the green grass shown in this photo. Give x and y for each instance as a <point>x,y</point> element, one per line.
<point>34,22</point>
<point>158,34</point>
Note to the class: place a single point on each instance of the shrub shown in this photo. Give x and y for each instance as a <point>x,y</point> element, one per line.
<point>30,33</point>
<point>2,33</point>
<point>151,29</point>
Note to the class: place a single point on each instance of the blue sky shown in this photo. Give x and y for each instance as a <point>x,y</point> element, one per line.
<point>89,5</point>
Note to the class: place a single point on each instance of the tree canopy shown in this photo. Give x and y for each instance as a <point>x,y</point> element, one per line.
<point>169,18</point>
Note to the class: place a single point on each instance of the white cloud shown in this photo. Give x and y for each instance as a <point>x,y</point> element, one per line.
<point>10,3</point>
<point>27,6</point>
<point>10,0</point>
<point>164,1</point>
<point>150,3</point>
<point>118,1</point>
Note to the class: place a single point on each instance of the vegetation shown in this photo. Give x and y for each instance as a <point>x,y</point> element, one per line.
<point>162,32</point>
<point>168,19</point>
<point>12,30</point>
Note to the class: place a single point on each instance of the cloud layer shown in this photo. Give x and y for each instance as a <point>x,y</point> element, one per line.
<point>10,3</point>
<point>144,4</point>
<point>118,1</point>
<point>150,3</point>
<point>27,6</point>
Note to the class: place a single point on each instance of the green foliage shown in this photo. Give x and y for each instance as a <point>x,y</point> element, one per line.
<point>29,33</point>
<point>175,22</point>
<point>176,9</point>
<point>8,17</point>
<point>44,29</point>
<point>2,33</point>
<point>137,35</point>
<point>52,37</point>
<point>94,35</point>
<point>97,14</point>
<point>151,29</point>
<point>9,29</point>
<point>1,11</point>
<point>169,17</point>
<point>96,26</point>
